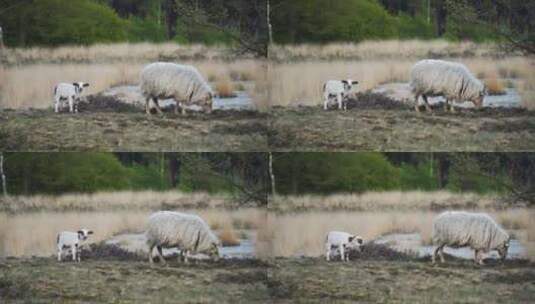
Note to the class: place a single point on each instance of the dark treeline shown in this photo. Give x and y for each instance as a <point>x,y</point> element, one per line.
<point>356,20</point>
<point>55,22</point>
<point>241,174</point>
<point>506,173</point>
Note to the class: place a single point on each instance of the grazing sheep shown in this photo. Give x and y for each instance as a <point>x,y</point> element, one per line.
<point>188,232</point>
<point>183,83</point>
<point>477,230</point>
<point>450,79</point>
<point>71,240</point>
<point>338,89</point>
<point>70,92</point>
<point>343,242</point>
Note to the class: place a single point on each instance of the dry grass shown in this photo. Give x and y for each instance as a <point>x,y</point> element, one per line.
<point>115,52</point>
<point>122,200</point>
<point>494,85</point>
<point>17,93</point>
<point>285,91</point>
<point>34,233</point>
<point>392,49</point>
<point>228,236</point>
<point>392,200</point>
<point>225,88</point>
<point>303,233</point>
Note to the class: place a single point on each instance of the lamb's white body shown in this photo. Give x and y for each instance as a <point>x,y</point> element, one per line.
<point>68,240</point>
<point>449,79</point>
<point>183,83</point>
<point>342,241</point>
<point>70,92</point>
<point>188,232</point>
<point>477,230</point>
<point>338,89</point>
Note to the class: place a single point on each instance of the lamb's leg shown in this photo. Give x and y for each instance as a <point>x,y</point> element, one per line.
<point>427,106</point>
<point>78,253</point>
<point>342,253</point>
<point>73,249</point>
<point>158,109</point>
<point>325,101</point>
<point>328,252</point>
<point>339,99</point>
<point>56,104</point>
<point>59,254</point>
<point>71,104</point>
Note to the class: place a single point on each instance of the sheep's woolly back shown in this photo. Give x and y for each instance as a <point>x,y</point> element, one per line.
<point>170,80</point>
<point>175,229</point>
<point>477,230</point>
<point>439,77</point>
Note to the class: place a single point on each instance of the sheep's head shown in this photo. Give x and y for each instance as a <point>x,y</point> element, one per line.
<point>503,249</point>
<point>348,84</point>
<point>478,101</point>
<point>213,252</point>
<point>83,234</point>
<point>206,103</point>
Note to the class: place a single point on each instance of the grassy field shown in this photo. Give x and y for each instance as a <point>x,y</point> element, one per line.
<point>44,130</point>
<point>44,280</point>
<point>313,280</point>
<point>400,129</point>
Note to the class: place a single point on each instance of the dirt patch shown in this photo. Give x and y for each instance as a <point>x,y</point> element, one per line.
<point>388,125</point>
<point>380,252</point>
<point>102,103</point>
<point>101,250</point>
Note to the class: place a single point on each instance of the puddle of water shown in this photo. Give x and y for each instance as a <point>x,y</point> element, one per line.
<point>133,95</point>
<point>413,242</point>
<point>402,92</point>
<point>137,243</point>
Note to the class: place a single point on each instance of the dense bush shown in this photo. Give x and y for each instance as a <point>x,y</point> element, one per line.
<point>55,22</point>
<point>141,30</point>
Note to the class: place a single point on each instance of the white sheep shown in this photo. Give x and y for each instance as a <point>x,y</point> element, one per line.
<point>338,89</point>
<point>477,230</point>
<point>343,242</point>
<point>188,232</point>
<point>70,92</point>
<point>183,83</point>
<point>72,241</point>
<point>449,79</point>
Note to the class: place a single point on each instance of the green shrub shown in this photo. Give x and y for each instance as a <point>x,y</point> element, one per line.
<point>140,30</point>
<point>414,27</point>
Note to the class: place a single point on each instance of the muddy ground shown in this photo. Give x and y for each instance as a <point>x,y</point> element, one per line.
<point>313,280</point>
<point>111,276</point>
<point>107,125</point>
<point>377,123</point>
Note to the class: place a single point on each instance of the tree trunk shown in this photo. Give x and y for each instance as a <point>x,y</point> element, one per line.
<point>270,28</point>
<point>440,17</point>
<point>174,171</point>
<point>271,174</point>
<point>2,175</point>
<point>171,16</point>
<point>1,39</point>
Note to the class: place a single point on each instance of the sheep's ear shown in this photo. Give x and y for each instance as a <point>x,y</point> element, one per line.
<point>345,82</point>
<point>351,238</point>
<point>80,232</point>
<point>90,232</point>
<point>76,84</point>
<point>359,240</point>
<point>86,84</point>
<point>355,82</point>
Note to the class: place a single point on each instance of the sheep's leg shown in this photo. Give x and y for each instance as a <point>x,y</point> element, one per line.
<point>147,108</point>
<point>342,253</point>
<point>441,253</point>
<point>326,101</point>
<point>328,252</point>
<point>446,108</point>
<point>160,254</point>
<point>416,99</point>
<point>186,252</point>
<point>478,258</point>
<point>437,251</point>
<point>59,254</point>
<point>182,108</point>
<point>452,108</point>
<point>427,106</point>
<point>56,104</point>
<point>78,253</point>
<point>156,105</point>
<point>339,99</point>
<point>151,248</point>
